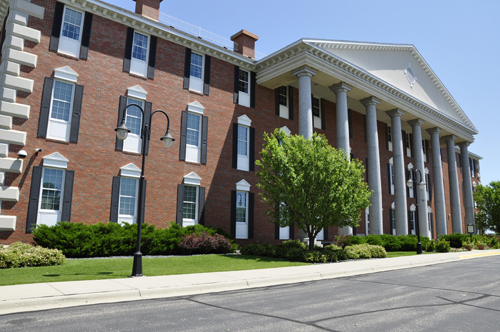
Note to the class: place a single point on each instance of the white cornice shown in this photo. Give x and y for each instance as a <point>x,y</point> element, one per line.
<point>151,27</point>
<point>300,54</point>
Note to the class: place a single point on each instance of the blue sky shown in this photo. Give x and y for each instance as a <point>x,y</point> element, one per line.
<point>458,39</point>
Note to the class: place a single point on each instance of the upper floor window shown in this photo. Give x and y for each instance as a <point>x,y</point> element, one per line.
<point>139,62</point>
<point>284,102</point>
<point>390,169</point>
<point>243,138</point>
<point>197,72</point>
<point>316,110</point>
<point>194,134</point>
<point>72,24</point>
<point>190,201</point>
<point>283,96</point>
<point>408,144</point>
<point>244,87</point>
<point>133,121</point>
<point>389,137</point>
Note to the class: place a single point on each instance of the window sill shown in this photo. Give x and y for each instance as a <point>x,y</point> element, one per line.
<point>72,57</point>
<point>132,153</point>
<point>192,162</point>
<point>196,92</point>
<point>56,141</point>
<point>138,76</point>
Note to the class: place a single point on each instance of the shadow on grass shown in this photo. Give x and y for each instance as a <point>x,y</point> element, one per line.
<point>104,272</point>
<point>51,275</point>
<point>256,258</point>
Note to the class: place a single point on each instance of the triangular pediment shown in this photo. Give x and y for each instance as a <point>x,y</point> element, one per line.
<point>137,91</point>
<point>243,185</point>
<point>130,170</point>
<point>196,107</point>
<point>192,178</point>
<point>66,73</point>
<point>402,67</point>
<point>56,160</point>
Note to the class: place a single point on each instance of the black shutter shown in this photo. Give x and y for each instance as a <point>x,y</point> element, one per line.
<point>277,101</point>
<point>128,50</point>
<point>115,199</point>
<point>252,149</point>
<point>145,122</point>
<point>253,78</point>
<point>45,108</point>
<point>187,68</point>
<point>411,145</point>
<point>201,206</point>
<point>349,120</point>
<point>36,181</point>
<point>233,214</point>
<point>206,76</point>
<point>290,102</point>
<point>152,57</point>
<point>276,231</point>
<point>323,120</point>
<point>430,187</point>
<point>325,233</point>
<point>364,122</point>
<point>56,27</point>
<point>426,145</point>
<point>407,178</point>
<point>386,136</point>
<point>250,214</point>
<point>142,203</point>
<point>235,145</point>
<point>77,113</point>
<point>404,144</point>
<point>182,146</point>
<point>292,231</point>
<point>180,204</point>
<point>121,117</point>
<point>68,196</point>
<point>389,177</point>
<point>236,84</point>
<point>87,28</point>
<point>204,140</point>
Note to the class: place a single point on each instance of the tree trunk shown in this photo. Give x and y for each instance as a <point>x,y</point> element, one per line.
<point>311,242</point>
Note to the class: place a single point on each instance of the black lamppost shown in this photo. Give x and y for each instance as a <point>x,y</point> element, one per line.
<point>167,140</point>
<point>421,185</point>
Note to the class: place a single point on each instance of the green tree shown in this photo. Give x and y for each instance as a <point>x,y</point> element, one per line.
<point>308,183</point>
<point>488,206</point>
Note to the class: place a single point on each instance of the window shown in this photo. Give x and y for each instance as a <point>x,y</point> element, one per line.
<point>242,202</point>
<point>367,219</point>
<point>139,62</point>
<point>71,31</point>
<point>428,186</point>
<point>133,121</point>
<point>389,137</point>
<point>61,106</point>
<point>190,201</point>
<point>283,109</point>
<point>51,192</point>
<point>408,144</point>
<point>390,168</point>
<point>410,177</point>
<point>471,164</point>
<point>316,110</point>
<point>128,200</point>
<point>196,73</point>
<point>194,134</point>
<point>392,215</point>
<point>244,88</point>
<point>244,144</point>
<point>190,204</point>
<point>424,150</point>
<point>411,219</point>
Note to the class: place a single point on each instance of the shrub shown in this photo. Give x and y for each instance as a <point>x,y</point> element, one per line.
<point>377,251</point>
<point>431,246</point>
<point>442,245</point>
<point>455,239</point>
<point>23,254</point>
<point>358,251</point>
<point>342,240</point>
<point>112,239</point>
<point>204,244</point>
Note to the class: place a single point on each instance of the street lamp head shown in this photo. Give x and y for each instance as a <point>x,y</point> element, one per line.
<point>422,185</point>
<point>409,183</point>
<point>167,140</point>
<point>122,131</point>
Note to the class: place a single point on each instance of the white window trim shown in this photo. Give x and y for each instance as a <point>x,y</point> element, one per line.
<point>131,136</point>
<point>137,92</point>
<point>286,130</point>
<point>410,189</point>
<point>393,208</point>
<point>46,216</point>
<point>66,74</point>
<point>408,148</point>
<point>389,141</point>
<point>244,97</point>
<point>63,39</point>
<point>125,217</point>
<point>427,188</point>
<point>195,107</point>
<point>196,84</point>
<point>243,162</point>
<point>284,110</point>
<point>130,171</point>
<point>244,120</point>
<point>242,227</point>
<point>139,63</point>
<point>192,179</point>
<point>317,119</point>
<point>58,121</point>
<point>243,185</point>
<point>391,175</point>
<point>55,160</point>
<point>193,150</point>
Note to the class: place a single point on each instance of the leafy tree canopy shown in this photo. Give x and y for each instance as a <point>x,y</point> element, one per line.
<point>308,183</point>
<point>488,206</point>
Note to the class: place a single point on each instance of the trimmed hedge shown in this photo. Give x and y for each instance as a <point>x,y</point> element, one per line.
<point>294,250</point>
<point>24,254</point>
<point>389,242</point>
<point>102,240</point>
<point>456,239</point>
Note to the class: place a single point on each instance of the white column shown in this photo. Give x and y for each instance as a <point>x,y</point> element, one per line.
<point>456,213</point>
<point>373,167</point>
<point>418,155</point>
<point>437,172</point>
<point>340,91</point>
<point>401,214</point>
<point>467,184</point>
<point>305,103</point>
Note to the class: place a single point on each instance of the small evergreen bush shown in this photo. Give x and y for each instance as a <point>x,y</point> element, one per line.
<point>442,245</point>
<point>24,254</point>
<point>431,246</point>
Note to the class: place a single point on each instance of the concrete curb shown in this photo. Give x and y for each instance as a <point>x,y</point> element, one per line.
<point>77,293</point>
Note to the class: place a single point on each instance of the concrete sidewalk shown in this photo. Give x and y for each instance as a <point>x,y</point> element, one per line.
<point>32,297</point>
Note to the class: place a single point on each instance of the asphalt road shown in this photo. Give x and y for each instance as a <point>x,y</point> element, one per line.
<point>457,296</point>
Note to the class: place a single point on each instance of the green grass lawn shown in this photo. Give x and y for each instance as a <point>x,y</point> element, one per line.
<point>93,269</point>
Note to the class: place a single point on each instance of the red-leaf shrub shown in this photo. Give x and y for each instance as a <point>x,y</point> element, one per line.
<point>204,244</point>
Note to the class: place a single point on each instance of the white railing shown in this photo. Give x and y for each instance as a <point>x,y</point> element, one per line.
<point>202,33</point>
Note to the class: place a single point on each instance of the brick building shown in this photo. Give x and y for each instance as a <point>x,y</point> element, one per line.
<point>69,68</point>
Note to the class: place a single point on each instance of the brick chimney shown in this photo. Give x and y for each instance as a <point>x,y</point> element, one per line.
<point>244,43</point>
<point>148,8</point>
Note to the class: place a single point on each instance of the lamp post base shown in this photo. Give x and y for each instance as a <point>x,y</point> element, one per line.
<point>419,248</point>
<point>137,266</point>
